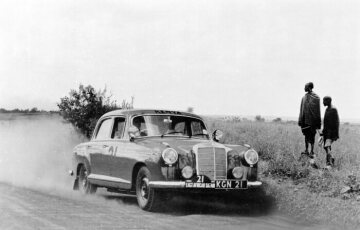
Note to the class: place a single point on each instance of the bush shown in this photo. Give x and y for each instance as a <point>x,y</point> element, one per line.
<point>84,107</point>
<point>259,118</point>
<point>278,119</point>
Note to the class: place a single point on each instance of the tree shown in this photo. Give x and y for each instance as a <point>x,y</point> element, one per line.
<point>83,107</point>
<point>127,105</point>
<point>278,119</point>
<point>34,110</point>
<point>259,118</point>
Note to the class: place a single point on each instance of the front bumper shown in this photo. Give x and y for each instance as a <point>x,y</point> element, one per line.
<point>182,184</point>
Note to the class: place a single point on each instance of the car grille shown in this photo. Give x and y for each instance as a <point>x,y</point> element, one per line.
<point>211,162</point>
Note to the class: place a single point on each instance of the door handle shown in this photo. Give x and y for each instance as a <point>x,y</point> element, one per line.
<point>105,146</point>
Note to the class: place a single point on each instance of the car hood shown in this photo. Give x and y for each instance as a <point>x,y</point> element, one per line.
<point>184,145</point>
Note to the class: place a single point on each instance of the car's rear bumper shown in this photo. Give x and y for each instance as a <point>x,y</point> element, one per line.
<point>182,184</point>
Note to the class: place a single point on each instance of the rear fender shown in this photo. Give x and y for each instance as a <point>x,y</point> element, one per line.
<point>76,184</point>
<point>79,161</point>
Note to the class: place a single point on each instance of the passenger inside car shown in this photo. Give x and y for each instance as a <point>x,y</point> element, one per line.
<point>118,129</point>
<point>139,123</point>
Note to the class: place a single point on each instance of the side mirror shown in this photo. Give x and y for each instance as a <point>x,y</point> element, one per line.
<point>132,132</point>
<point>217,135</point>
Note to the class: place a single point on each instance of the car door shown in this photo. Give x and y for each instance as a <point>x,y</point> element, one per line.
<point>119,165</point>
<point>98,149</point>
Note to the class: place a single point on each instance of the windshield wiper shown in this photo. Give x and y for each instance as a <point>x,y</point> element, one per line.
<point>173,132</point>
<point>198,134</point>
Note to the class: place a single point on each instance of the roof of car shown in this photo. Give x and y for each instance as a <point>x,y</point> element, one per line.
<point>132,112</point>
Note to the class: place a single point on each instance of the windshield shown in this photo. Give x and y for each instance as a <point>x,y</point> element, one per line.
<point>169,125</point>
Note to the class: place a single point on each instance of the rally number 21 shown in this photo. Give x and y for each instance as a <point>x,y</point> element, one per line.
<point>200,179</point>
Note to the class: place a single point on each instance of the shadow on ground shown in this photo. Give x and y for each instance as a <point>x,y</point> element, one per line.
<point>245,203</point>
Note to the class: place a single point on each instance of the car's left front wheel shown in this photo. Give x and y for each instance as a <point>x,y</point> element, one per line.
<point>84,185</point>
<point>148,198</point>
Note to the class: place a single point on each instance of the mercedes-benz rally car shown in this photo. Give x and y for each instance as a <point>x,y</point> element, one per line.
<point>149,153</point>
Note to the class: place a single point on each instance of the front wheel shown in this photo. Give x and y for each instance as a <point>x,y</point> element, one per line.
<point>148,198</point>
<point>84,185</point>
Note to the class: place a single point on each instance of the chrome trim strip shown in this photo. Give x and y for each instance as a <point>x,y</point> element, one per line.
<point>254,183</point>
<point>181,184</point>
<point>214,161</point>
<point>167,184</point>
<point>107,178</point>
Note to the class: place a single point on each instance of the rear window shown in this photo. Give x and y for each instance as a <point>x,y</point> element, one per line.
<point>104,130</point>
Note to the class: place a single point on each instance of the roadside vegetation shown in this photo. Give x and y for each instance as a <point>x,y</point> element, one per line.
<point>33,110</point>
<point>83,107</point>
<point>319,195</point>
<point>280,144</point>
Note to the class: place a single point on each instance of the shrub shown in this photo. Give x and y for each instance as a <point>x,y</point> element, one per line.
<point>278,119</point>
<point>83,107</point>
<point>259,118</point>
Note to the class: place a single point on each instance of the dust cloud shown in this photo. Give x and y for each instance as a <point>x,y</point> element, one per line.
<point>36,151</point>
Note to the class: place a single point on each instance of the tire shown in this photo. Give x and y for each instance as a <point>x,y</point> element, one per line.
<point>84,185</point>
<point>147,198</point>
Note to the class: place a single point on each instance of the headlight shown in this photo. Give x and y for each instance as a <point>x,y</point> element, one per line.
<point>237,172</point>
<point>217,135</point>
<point>251,157</point>
<point>170,156</point>
<point>187,172</point>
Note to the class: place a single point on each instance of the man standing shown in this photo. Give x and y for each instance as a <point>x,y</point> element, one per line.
<point>309,118</point>
<point>330,131</point>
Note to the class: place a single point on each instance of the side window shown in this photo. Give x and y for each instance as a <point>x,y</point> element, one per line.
<point>104,130</point>
<point>118,128</point>
<point>197,128</point>
<point>180,127</point>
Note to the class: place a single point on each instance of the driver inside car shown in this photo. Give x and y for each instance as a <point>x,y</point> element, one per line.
<point>139,123</point>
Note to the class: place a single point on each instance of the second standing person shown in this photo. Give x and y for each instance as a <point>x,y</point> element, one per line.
<point>310,117</point>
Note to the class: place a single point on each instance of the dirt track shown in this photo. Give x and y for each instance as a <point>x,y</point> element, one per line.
<point>30,209</point>
<point>35,191</point>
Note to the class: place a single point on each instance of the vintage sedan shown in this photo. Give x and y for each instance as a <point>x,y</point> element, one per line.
<point>150,153</point>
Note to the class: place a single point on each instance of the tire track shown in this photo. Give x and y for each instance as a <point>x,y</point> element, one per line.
<point>23,208</point>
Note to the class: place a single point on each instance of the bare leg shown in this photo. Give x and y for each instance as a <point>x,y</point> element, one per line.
<point>312,148</point>
<point>306,145</point>
<point>328,155</point>
<point>332,161</point>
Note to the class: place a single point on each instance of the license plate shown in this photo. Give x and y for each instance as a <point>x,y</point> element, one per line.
<point>219,184</point>
<point>199,185</point>
<point>230,184</point>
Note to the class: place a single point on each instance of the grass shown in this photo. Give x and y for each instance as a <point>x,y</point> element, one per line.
<point>280,144</point>
<point>300,190</point>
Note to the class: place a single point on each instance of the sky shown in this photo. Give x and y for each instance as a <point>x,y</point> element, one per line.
<point>219,57</point>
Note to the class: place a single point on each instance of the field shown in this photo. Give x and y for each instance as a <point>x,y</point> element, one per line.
<point>35,157</point>
<point>290,177</point>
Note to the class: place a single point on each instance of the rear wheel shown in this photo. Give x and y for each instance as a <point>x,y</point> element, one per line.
<point>148,198</point>
<point>84,185</point>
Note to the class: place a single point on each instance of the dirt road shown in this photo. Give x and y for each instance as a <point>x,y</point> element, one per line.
<point>35,191</point>
<point>23,208</point>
